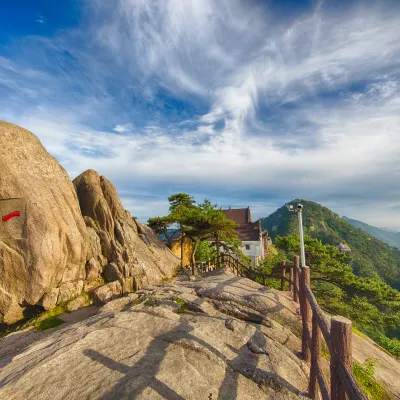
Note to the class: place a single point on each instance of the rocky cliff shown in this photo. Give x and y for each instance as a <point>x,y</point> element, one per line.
<point>121,249</point>
<point>58,245</point>
<point>52,245</point>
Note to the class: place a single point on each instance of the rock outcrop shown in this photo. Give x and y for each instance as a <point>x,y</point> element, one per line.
<point>120,248</point>
<point>52,245</point>
<point>172,342</point>
<point>57,247</point>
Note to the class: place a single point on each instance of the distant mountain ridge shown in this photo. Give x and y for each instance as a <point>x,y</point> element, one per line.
<point>371,257</point>
<point>390,237</point>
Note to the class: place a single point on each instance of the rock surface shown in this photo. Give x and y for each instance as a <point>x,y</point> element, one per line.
<point>107,292</point>
<point>50,252</point>
<point>387,368</point>
<point>170,342</point>
<point>52,246</point>
<point>120,248</point>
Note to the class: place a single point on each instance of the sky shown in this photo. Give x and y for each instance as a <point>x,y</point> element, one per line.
<point>246,103</point>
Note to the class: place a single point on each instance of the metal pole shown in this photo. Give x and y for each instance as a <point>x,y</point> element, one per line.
<point>303,254</point>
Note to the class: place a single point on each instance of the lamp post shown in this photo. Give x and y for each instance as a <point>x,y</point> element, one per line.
<point>299,211</point>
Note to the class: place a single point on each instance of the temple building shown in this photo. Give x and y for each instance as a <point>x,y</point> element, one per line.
<point>254,239</point>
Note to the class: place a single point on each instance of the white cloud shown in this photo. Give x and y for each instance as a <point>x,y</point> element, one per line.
<point>123,128</point>
<point>294,124</point>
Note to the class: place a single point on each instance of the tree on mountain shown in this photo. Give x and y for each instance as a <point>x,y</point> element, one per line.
<point>162,225</point>
<point>197,222</point>
<point>180,203</point>
<point>204,222</point>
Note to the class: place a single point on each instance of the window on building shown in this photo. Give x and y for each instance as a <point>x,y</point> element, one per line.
<point>247,247</point>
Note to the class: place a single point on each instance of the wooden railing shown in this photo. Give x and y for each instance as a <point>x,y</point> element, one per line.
<point>240,269</point>
<point>336,331</point>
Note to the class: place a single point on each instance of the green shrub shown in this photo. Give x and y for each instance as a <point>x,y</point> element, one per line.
<point>325,351</point>
<point>47,323</point>
<point>49,318</point>
<point>182,303</point>
<point>364,374</point>
<point>391,345</point>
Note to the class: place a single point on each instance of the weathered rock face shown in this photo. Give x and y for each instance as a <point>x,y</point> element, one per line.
<point>120,248</point>
<point>107,292</point>
<point>51,246</point>
<point>49,252</point>
<point>171,342</point>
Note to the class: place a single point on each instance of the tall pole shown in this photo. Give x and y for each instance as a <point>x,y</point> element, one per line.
<point>302,252</point>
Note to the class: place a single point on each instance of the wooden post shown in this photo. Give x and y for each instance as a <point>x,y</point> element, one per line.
<point>315,358</point>
<point>217,246</point>
<point>341,354</point>
<point>305,312</point>
<point>291,277</point>
<point>283,273</point>
<point>296,277</point>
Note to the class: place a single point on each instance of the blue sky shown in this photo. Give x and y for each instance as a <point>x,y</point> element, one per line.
<point>243,102</point>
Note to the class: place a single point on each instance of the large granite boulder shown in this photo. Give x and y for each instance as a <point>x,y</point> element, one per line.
<point>120,248</point>
<point>52,246</point>
<point>46,245</point>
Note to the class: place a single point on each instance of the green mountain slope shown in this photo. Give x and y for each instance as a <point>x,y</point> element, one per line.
<point>370,256</point>
<point>389,237</point>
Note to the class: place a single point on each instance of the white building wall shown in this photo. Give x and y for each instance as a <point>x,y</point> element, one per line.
<point>254,250</point>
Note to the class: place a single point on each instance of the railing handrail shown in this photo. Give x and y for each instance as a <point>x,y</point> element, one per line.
<point>336,332</point>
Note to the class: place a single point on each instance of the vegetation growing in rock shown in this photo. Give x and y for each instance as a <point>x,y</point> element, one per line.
<point>364,374</point>
<point>49,318</point>
<point>183,306</point>
<point>49,322</point>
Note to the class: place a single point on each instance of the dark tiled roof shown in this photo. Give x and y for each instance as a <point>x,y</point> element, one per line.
<point>247,230</point>
<point>239,215</point>
<point>248,233</point>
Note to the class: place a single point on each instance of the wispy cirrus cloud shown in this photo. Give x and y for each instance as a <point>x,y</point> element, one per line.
<point>220,96</point>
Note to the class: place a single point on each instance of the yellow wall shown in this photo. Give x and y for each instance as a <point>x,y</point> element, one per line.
<point>187,248</point>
